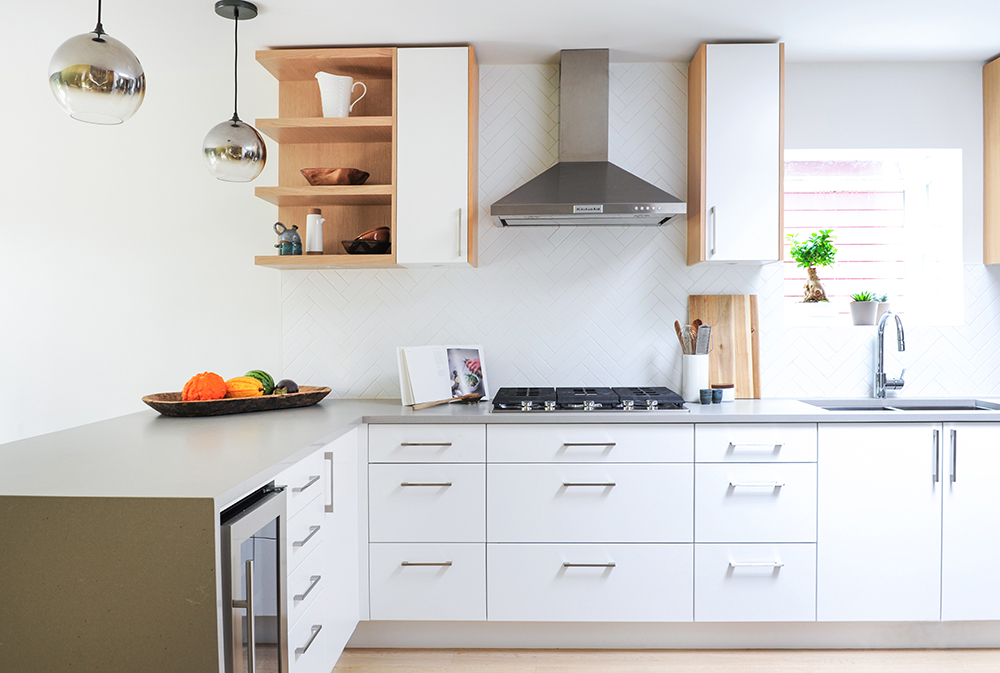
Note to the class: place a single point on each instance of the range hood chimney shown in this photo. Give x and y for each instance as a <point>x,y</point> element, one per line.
<point>584,188</point>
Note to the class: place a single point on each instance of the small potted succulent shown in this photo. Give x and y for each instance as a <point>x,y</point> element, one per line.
<point>864,306</point>
<point>883,305</point>
<point>817,250</point>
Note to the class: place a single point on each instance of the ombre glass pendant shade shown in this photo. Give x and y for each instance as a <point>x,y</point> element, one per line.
<point>97,79</point>
<point>234,150</point>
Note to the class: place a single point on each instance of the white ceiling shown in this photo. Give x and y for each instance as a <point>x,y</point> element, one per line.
<point>533,31</point>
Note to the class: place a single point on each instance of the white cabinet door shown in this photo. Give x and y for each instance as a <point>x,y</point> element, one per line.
<point>970,556</point>
<point>879,522</point>
<point>742,152</point>
<point>432,156</point>
<point>428,581</point>
<point>591,443</point>
<point>340,594</point>
<point>431,502</point>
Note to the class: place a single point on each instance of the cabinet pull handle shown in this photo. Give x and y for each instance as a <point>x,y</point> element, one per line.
<point>248,606</point>
<point>756,564</point>
<point>954,456</point>
<point>312,531</point>
<point>610,564</point>
<point>425,443</point>
<point>329,456</point>
<point>425,483</point>
<point>313,581</point>
<point>605,484</point>
<point>460,211</point>
<point>608,444</point>
<point>715,231</point>
<point>756,484</point>
<point>312,480</point>
<point>937,456</point>
<point>315,632</point>
<point>757,447</point>
<point>425,563</point>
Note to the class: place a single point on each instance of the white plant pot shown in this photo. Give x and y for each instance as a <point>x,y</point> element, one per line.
<point>883,306</point>
<point>863,312</point>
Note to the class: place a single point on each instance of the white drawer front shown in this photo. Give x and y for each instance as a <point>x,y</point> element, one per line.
<point>304,480</point>
<point>578,503</point>
<point>647,583</point>
<point>307,634</point>
<point>743,502</point>
<point>451,585</point>
<point>586,443</point>
<point>305,533</point>
<point>755,443</point>
<point>451,443</point>
<point>306,582</point>
<point>425,509</point>
<point>744,583</point>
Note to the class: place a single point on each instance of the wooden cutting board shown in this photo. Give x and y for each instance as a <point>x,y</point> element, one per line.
<point>735,355</point>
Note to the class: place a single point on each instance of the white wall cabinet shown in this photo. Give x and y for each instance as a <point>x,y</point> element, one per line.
<point>970,552</point>
<point>435,169</point>
<point>879,527</point>
<point>735,145</point>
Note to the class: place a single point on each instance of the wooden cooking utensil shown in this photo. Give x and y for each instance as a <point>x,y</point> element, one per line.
<point>425,405</point>
<point>680,337</point>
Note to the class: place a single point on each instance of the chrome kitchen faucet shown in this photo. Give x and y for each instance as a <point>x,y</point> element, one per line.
<point>881,382</point>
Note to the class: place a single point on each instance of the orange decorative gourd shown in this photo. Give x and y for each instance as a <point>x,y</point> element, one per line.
<point>244,386</point>
<point>205,386</point>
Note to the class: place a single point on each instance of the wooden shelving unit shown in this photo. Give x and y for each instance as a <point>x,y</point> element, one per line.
<point>366,140</point>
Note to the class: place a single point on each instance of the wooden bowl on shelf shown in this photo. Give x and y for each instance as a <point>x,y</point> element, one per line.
<point>318,177</point>
<point>372,242</point>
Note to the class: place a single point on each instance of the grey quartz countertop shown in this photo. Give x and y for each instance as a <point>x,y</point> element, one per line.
<point>148,455</point>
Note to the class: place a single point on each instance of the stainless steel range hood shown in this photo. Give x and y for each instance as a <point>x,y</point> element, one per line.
<point>584,188</point>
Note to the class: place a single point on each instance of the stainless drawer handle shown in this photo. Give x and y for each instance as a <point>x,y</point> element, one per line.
<point>756,484</point>
<point>610,564</point>
<point>312,480</point>
<point>425,443</point>
<point>756,564</point>
<point>312,531</point>
<point>425,563</point>
<point>954,456</point>
<point>605,484</point>
<point>313,581</point>
<point>607,444</point>
<point>315,632</point>
<point>425,483</point>
<point>756,447</point>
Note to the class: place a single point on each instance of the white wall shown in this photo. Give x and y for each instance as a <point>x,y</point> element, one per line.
<point>125,267</point>
<point>563,306</point>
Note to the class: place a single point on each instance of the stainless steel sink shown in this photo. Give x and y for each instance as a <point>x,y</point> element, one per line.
<point>916,404</point>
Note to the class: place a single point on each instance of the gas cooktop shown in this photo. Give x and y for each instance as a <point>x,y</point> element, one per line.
<point>652,398</point>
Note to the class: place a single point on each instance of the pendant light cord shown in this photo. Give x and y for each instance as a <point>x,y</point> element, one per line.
<point>236,62</point>
<point>100,28</point>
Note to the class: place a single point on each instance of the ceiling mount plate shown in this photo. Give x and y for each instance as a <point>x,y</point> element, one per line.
<point>236,9</point>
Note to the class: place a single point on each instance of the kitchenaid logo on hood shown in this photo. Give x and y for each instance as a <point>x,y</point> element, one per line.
<point>588,209</point>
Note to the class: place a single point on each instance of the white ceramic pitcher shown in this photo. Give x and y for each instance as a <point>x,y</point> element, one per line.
<point>335,92</point>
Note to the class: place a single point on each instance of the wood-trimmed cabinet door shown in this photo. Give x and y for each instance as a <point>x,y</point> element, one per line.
<point>970,555</point>
<point>436,126</point>
<point>879,522</point>
<point>735,147</point>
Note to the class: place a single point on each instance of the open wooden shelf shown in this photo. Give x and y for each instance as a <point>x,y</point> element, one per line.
<point>340,195</point>
<point>328,129</point>
<point>292,262</point>
<point>303,64</point>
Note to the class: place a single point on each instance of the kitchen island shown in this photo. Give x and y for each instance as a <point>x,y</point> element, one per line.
<point>111,536</point>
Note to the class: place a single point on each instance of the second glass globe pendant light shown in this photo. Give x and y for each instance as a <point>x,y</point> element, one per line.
<point>234,150</point>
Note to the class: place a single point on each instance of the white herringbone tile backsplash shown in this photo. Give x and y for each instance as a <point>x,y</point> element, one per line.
<point>580,305</point>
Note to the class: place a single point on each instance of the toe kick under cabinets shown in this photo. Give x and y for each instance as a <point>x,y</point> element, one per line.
<point>593,522</point>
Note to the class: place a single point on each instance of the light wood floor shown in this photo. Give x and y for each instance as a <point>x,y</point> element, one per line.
<point>668,661</point>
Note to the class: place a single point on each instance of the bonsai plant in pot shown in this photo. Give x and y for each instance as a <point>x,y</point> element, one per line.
<point>864,307</point>
<point>818,250</point>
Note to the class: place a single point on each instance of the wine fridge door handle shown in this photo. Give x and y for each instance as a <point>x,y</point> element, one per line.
<point>248,606</point>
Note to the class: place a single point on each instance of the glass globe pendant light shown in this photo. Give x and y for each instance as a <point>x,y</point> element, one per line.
<point>234,150</point>
<point>97,79</point>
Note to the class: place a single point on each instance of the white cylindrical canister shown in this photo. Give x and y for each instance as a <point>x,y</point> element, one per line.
<point>694,371</point>
<point>314,232</point>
